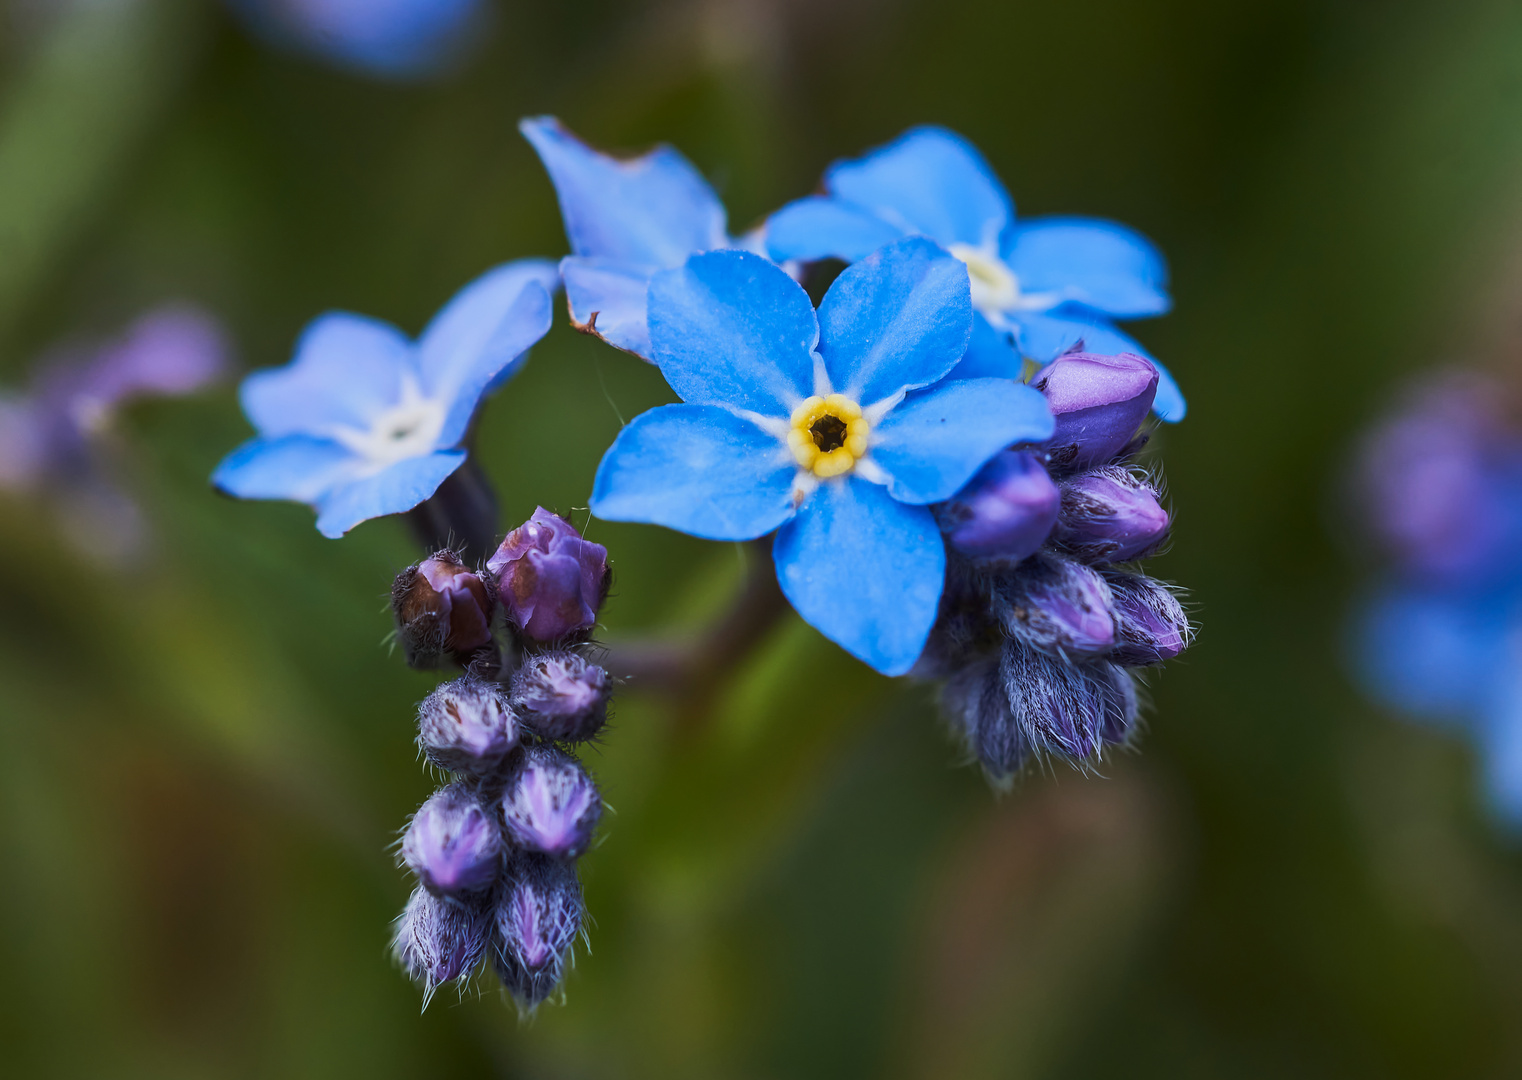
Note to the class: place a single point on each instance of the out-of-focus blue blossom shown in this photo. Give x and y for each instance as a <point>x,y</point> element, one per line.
<point>364,422</point>
<point>833,428</point>
<point>1040,287</point>
<point>625,220</point>
<point>1440,639</point>
<point>388,39</point>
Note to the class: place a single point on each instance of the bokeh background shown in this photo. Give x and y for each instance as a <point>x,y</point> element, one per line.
<point>206,745</point>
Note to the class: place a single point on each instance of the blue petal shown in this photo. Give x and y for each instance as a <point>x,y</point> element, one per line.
<point>394,491</point>
<point>347,368</point>
<point>898,319</point>
<point>933,443</point>
<point>1043,338</point>
<point>1501,741</point>
<point>480,338</point>
<point>295,467</point>
<point>699,469</point>
<point>654,209</point>
<point>864,570</point>
<point>731,328</point>
<point>1100,264</point>
<point>991,354</point>
<point>614,293</point>
<point>819,227</point>
<point>928,181</point>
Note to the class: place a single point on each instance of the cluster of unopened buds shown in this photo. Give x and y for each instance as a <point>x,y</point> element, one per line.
<point>495,849</point>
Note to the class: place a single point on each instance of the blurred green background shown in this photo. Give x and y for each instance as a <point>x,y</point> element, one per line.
<point>204,755</point>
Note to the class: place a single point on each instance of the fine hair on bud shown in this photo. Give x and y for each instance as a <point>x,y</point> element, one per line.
<point>467,725</point>
<point>1150,624</point>
<point>1066,708</point>
<point>975,704</point>
<point>550,804</point>
<point>1111,514</point>
<point>561,695</point>
<point>438,940</point>
<point>454,842</point>
<point>535,921</point>
<point>1055,605</point>
<point>441,607</point>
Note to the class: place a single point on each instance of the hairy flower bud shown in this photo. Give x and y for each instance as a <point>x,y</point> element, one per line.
<point>562,696</point>
<point>976,704</point>
<point>1056,605</point>
<point>1099,402</point>
<point>550,581</point>
<point>1065,708</point>
<point>1150,623</point>
<point>550,804</point>
<point>1111,514</point>
<point>1006,510</point>
<point>467,725</point>
<point>454,843</point>
<point>536,920</point>
<point>440,606</point>
<point>438,940</point>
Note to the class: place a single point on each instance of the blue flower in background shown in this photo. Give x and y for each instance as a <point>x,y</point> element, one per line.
<point>1039,287</point>
<point>834,429</point>
<point>394,39</point>
<point>364,422</point>
<point>625,220</point>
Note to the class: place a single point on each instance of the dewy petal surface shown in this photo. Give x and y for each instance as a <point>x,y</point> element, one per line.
<point>655,209</point>
<point>346,369</point>
<point>391,491</point>
<point>819,227</point>
<point>864,570</point>
<point>731,328</point>
<point>929,181</point>
<point>898,319</point>
<point>296,467</point>
<point>699,469</point>
<point>473,342</point>
<point>937,439</point>
<point>1045,337</point>
<point>1100,264</point>
<point>614,292</point>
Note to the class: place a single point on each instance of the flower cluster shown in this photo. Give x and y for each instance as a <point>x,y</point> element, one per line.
<point>1439,490</point>
<point>495,850</point>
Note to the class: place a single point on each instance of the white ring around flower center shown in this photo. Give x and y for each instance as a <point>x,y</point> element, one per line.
<point>994,285</point>
<point>408,429</point>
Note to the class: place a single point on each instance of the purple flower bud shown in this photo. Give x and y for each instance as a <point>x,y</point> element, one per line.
<point>1056,605</point>
<point>560,695</point>
<point>467,725</point>
<point>1065,708</point>
<point>536,919</point>
<point>437,940</point>
<point>551,805</point>
<point>1006,510</point>
<point>976,705</point>
<point>1099,402</point>
<point>551,581</point>
<point>1150,623</point>
<point>454,843</point>
<point>440,605</point>
<point>1111,514</point>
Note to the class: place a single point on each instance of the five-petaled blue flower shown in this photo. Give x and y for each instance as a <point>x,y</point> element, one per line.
<point>625,221</point>
<point>364,422</point>
<point>388,39</point>
<point>834,428</point>
<point>1040,287</point>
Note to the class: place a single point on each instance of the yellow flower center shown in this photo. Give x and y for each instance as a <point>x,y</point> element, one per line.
<point>828,435</point>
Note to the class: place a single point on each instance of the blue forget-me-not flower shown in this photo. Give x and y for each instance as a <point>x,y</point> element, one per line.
<point>1040,287</point>
<point>388,39</point>
<point>625,221</point>
<point>833,428</point>
<point>364,422</point>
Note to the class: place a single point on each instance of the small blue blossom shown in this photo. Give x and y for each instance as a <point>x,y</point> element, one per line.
<point>364,422</point>
<point>625,221</point>
<point>833,428</point>
<point>387,39</point>
<point>1040,287</point>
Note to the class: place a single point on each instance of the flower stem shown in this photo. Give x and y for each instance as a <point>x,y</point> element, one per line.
<point>461,515</point>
